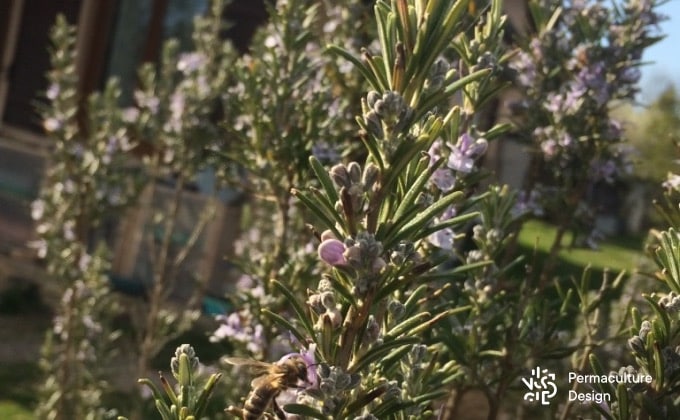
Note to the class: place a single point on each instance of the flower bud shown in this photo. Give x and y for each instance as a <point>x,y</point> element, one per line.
<point>342,381</point>
<point>334,318</point>
<point>353,256</point>
<point>327,386</point>
<point>354,170</point>
<point>636,344</point>
<point>314,302</point>
<point>396,309</point>
<point>325,285</point>
<point>327,234</point>
<point>372,98</point>
<point>371,174</point>
<point>340,175</point>
<point>328,300</point>
<point>378,265</point>
<point>645,328</point>
<point>372,329</point>
<point>331,251</point>
<point>374,125</point>
<point>417,353</point>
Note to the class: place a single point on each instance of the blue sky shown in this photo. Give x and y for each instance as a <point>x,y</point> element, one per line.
<point>665,55</point>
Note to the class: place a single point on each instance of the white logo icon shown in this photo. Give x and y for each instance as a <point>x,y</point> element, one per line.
<point>541,386</point>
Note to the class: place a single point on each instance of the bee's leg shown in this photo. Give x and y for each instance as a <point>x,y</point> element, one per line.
<point>279,413</point>
<point>235,411</point>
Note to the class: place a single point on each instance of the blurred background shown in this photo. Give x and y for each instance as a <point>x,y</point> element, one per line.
<point>664,58</point>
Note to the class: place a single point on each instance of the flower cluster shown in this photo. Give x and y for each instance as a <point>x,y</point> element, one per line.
<point>333,383</point>
<point>571,73</point>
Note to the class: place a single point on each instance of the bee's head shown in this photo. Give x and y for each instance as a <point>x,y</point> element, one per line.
<point>300,367</point>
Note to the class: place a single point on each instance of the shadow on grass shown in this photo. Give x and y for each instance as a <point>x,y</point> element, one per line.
<point>18,382</point>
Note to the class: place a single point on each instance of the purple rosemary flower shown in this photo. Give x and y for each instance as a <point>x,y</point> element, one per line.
<point>524,65</point>
<point>325,152</point>
<point>604,170</point>
<point>240,327</point>
<point>53,91</point>
<point>191,62</point>
<point>528,203</point>
<point>465,151</point>
<point>444,179</point>
<point>672,182</point>
<point>443,238</point>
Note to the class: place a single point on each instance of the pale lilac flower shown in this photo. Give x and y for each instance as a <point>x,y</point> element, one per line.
<point>573,99</point>
<point>272,41</point>
<point>109,150</point>
<point>614,129</point>
<point>69,230</point>
<point>527,203</point>
<point>239,326</point>
<point>257,291</point>
<point>463,154</point>
<point>77,150</point>
<point>202,86</point>
<point>256,342</point>
<point>435,151</point>
<point>604,170</point>
<point>245,282</point>
<point>84,262</point>
<point>230,327</point>
<point>592,79</point>
<point>40,247</point>
<point>564,139</point>
<point>594,238</point>
<point>53,91</point>
<point>443,239</point>
<point>524,65</point>
<point>325,152</point>
<point>115,197</point>
<point>630,74</point>
<point>444,179</point>
<point>52,124</point>
<point>190,62</point>
<point>130,114</point>
<point>37,209</point>
<point>147,101</point>
<point>177,103</point>
<point>42,228</point>
<point>549,148</point>
<point>553,102</point>
<point>448,213</point>
<point>672,182</point>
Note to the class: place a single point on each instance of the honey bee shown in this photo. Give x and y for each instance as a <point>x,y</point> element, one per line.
<point>271,380</point>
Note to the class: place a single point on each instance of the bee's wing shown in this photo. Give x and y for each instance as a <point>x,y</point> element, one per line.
<point>262,380</point>
<point>255,366</point>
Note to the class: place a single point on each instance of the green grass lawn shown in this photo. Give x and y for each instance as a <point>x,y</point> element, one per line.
<point>10,410</point>
<point>18,383</point>
<point>616,253</point>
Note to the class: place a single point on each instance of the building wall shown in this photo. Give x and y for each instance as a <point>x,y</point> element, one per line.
<point>114,38</point>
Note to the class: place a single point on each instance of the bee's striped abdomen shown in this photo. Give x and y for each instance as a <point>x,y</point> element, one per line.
<point>257,402</point>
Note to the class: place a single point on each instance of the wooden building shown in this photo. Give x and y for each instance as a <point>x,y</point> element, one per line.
<point>114,38</point>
